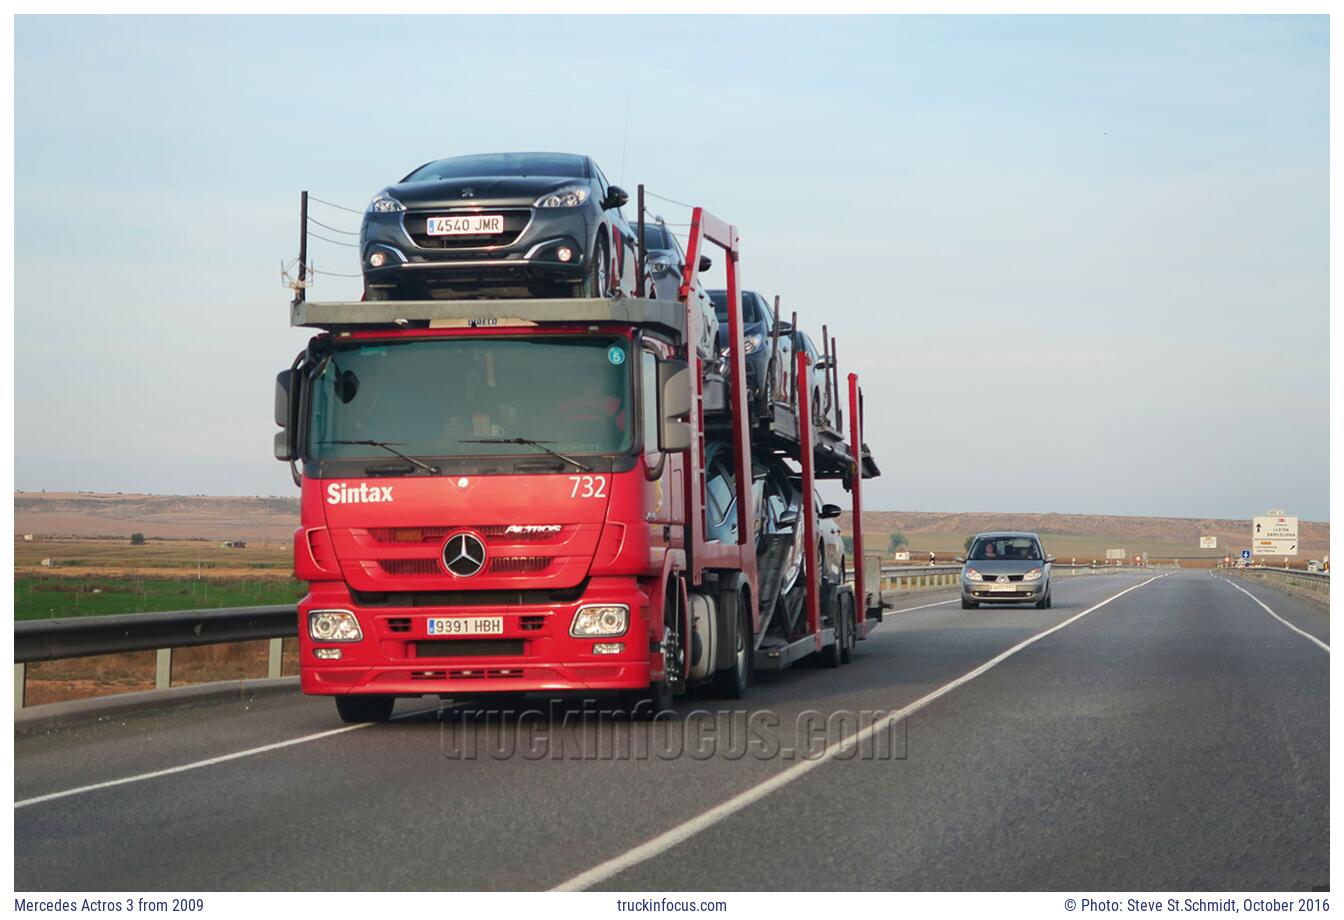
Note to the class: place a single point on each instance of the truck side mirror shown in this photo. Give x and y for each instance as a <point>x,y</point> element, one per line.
<point>674,406</point>
<point>287,385</point>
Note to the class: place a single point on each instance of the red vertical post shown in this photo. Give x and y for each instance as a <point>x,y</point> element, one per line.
<point>746,516</point>
<point>856,496</point>
<point>809,510</point>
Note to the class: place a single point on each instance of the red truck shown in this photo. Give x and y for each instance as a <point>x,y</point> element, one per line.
<point>510,496</point>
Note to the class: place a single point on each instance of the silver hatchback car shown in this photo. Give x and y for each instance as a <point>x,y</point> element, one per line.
<point>1005,568</point>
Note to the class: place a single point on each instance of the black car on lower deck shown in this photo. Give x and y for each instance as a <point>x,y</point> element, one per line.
<point>498,225</point>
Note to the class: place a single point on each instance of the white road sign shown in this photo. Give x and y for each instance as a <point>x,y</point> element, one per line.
<point>1274,535</point>
<point>1115,554</point>
<point>1208,542</point>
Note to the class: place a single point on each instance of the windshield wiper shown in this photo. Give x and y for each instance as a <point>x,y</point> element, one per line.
<point>387,446</point>
<point>528,442</point>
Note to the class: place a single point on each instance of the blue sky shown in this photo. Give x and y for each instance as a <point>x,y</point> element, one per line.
<point>1080,263</point>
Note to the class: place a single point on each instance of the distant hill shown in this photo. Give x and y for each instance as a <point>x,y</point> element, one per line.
<point>263,518</point>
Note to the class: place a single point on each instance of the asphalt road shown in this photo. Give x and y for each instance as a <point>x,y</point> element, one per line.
<point>1174,738</point>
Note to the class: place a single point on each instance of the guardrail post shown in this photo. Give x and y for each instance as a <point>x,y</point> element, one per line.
<point>277,652</point>
<point>20,682</point>
<point>163,669</point>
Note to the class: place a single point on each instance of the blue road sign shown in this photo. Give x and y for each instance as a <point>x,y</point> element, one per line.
<point>1245,554</point>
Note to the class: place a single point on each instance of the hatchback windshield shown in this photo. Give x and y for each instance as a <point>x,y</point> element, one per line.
<point>656,237</point>
<point>458,397</point>
<point>987,548</point>
<point>750,314</point>
<point>566,165</point>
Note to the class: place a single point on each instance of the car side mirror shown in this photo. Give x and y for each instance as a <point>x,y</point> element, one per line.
<point>785,327</point>
<point>788,517</point>
<point>831,511</point>
<point>616,197</point>
<point>287,386</point>
<point>674,406</point>
<point>1049,558</point>
<point>958,558</point>
<point>706,263</point>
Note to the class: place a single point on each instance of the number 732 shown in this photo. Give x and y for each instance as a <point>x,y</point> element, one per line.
<point>588,487</point>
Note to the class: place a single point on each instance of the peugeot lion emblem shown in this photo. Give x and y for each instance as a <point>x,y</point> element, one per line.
<point>464,555</point>
<point>468,192</point>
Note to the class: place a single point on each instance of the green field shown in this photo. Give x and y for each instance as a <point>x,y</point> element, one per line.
<point>39,597</point>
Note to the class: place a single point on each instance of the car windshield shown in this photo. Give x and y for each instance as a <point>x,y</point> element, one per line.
<point>750,314</point>
<point>566,165</point>
<point>990,548</point>
<point>443,397</point>
<point>657,237</point>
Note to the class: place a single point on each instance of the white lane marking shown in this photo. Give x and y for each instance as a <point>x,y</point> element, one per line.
<point>920,607</point>
<point>209,762</point>
<point>682,832</point>
<point>1275,615</point>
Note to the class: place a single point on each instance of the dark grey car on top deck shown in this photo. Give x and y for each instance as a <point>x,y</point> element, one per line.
<point>1005,568</point>
<point>498,225</point>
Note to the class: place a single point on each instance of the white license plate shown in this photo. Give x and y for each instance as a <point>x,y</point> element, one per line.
<point>995,586</point>
<point>465,225</point>
<point>465,626</point>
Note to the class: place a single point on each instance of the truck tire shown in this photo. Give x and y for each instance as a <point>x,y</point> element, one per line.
<point>731,683</point>
<point>847,619</point>
<point>659,696</point>
<point>830,655</point>
<point>365,708</point>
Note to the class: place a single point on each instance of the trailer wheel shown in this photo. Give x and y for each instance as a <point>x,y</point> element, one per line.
<point>731,683</point>
<point>831,655</point>
<point>847,619</point>
<point>365,708</point>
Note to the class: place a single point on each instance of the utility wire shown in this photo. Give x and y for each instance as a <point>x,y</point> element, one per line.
<point>332,204</point>
<point>317,236</point>
<point>314,220</point>
<point>665,198</point>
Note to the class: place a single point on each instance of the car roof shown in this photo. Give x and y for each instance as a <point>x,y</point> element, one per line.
<point>1007,533</point>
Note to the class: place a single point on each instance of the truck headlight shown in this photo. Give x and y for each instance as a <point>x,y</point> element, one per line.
<point>569,197</point>
<point>1033,575</point>
<point>600,620</point>
<point>333,626</point>
<point>385,204</point>
<point>973,575</point>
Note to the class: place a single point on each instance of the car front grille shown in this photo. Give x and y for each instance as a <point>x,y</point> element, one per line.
<point>515,222</point>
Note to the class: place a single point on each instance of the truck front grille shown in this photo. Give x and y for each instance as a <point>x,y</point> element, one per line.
<point>468,648</point>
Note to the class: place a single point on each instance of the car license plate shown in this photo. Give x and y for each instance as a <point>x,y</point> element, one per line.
<point>465,225</point>
<point>995,586</point>
<point>465,626</point>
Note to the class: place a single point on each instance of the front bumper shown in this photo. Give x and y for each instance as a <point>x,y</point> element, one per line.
<point>1018,592</point>
<point>542,655</point>
<point>524,254</point>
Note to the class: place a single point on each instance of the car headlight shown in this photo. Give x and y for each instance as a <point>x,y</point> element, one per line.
<point>385,204</point>
<point>570,197</point>
<point>1033,575</point>
<point>973,575</point>
<point>751,343</point>
<point>661,265</point>
<point>600,620</point>
<point>333,626</point>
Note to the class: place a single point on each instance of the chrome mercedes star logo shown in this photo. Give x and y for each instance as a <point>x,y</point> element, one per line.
<point>464,555</point>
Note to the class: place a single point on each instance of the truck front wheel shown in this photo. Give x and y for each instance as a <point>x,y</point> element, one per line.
<point>365,708</point>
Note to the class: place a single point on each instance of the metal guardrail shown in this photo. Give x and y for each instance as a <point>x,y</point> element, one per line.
<point>1315,582</point>
<point>897,578</point>
<point>80,637</point>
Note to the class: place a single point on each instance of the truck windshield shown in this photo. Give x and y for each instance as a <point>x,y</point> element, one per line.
<point>442,398</point>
